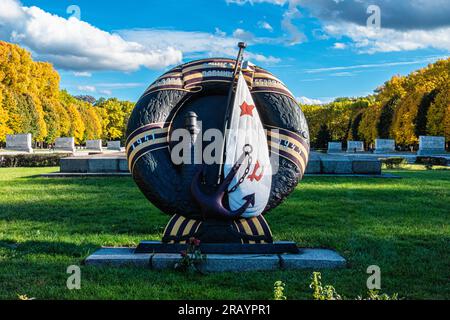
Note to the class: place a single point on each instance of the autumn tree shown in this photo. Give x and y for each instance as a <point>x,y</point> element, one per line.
<point>4,117</point>
<point>323,137</point>
<point>115,114</point>
<point>438,120</point>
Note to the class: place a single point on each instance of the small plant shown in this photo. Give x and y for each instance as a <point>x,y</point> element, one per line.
<point>328,292</point>
<point>320,292</point>
<point>394,162</point>
<point>192,258</point>
<point>375,295</point>
<point>278,291</point>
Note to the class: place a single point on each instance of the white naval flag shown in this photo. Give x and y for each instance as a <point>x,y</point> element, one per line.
<point>247,132</point>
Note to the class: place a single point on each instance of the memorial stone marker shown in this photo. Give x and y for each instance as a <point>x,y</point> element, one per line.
<point>429,145</point>
<point>334,146</point>
<point>94,145</point>
<point>65,144</point>
<point>193,192</point>
<point>355,146</point>
<point>384,145</point>
<point>114,145</point>
<point>19,142</point>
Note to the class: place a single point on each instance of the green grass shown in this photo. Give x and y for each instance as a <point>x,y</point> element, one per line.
<point>401,225</point>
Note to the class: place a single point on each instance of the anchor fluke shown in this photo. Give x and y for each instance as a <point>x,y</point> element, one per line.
<point>250,199</point>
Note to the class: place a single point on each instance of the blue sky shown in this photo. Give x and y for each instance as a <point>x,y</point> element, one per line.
<point>321,49</point>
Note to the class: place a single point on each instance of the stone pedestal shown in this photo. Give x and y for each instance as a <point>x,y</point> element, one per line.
<point>334,147</point>
<point>355,146</point>
<point>384,145</point>
<point>94,164</point>
<point>306,259</point>
<point>94,145</point>
<point>338,165</point>
<point>65,144</point>
<point>19,142</point>
<point>430,145</point>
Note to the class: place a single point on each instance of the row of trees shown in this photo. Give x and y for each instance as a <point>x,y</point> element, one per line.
<point>32,102</point>
<point>404,108</point>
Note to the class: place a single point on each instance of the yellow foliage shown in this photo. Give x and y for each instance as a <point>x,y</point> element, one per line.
<point>77,126</point>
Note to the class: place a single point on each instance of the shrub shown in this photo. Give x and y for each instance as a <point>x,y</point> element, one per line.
<point>429,162</point>
<point>31,160</point>
<point>394,162</point>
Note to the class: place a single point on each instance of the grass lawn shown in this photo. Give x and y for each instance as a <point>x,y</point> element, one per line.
<point>401,225</point>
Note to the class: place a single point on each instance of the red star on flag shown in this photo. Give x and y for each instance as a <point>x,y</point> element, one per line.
<point>247,109</point>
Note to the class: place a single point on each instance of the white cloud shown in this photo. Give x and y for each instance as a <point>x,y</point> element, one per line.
<point>406,24</point>
<point>309,101</point>
<point>107,88</point>
<point>91,89</point>
<point>252,2</point>
<point>106,92</point>
<point>296,36</point>
<point>220,33</point>
<point>370,40</point>
<point>311,80</point>
<point>198,44</point>
<point>342,74</point>
<point>265,25</point>
<point>76,45</point>
<point>82,74</point>
<point>339,46</point>
<point>243,35</point>
<point>10,11</point>
<point>373,65</point>
<point>120,85</point>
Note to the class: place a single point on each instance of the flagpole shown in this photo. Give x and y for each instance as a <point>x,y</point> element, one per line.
<point>230,102</point>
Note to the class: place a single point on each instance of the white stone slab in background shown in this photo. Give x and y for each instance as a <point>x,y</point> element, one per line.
<point>384,145</point>
<point>114,145</point>
<point>429,145</point>
<point>334,146</point>
<point>19,142</point>
<point>65,144</point>
<point>94,145</point>
<point>355,146</point>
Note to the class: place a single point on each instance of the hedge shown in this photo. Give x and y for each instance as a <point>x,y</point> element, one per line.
<point>429,161</point>
<point>32,160</point>
<point>394,162</point>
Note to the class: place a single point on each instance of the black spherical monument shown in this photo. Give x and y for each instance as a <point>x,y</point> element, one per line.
<point>217,143</point>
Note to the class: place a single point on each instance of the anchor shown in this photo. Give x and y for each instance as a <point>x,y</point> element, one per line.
<point>212,205</point>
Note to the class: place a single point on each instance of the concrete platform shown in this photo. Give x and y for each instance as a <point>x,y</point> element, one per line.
<point>342,164</point>
<point>104,163</point>
<point>306,259</point>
